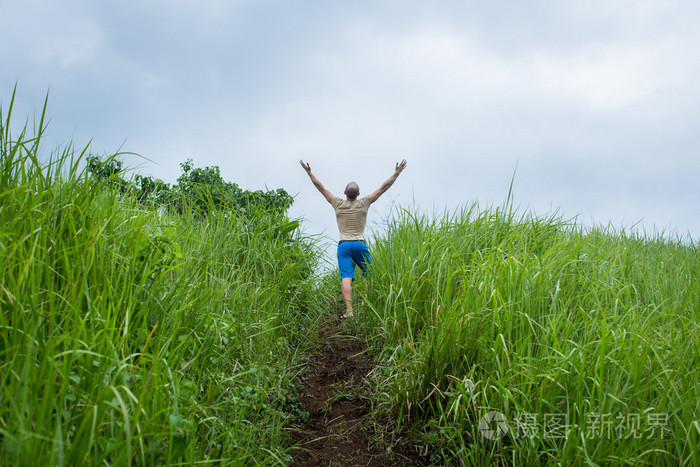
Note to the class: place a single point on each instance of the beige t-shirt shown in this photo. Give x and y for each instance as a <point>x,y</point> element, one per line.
<point>351,217</point>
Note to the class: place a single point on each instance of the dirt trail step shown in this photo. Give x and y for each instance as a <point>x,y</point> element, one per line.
<point>334,393</point>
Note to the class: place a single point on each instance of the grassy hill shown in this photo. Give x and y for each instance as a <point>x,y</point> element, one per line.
<point>155,325</point>
<point>133,333</point>
<point>508,338</point>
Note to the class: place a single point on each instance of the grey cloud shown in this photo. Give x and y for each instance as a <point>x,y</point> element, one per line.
<point>596,102</point>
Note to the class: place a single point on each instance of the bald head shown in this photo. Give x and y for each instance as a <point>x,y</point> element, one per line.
<point>352,191</point>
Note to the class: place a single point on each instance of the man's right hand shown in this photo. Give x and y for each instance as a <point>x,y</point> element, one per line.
<point>385,186</point>
<point>400,166</point>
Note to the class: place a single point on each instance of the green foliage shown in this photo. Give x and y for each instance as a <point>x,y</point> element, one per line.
<point>483,310</point>
<point>201,190</point>
<point>132,335</point>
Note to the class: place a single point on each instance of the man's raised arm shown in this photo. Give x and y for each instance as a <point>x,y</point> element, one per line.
<point>317,183</point>
<point>390,181</point>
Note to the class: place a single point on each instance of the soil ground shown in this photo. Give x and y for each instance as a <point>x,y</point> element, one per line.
<point>334,392</point>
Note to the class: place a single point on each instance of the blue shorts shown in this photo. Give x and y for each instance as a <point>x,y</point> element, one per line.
<point>351,253</point>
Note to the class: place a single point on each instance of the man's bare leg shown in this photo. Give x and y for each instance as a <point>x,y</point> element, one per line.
<point>346,289</point>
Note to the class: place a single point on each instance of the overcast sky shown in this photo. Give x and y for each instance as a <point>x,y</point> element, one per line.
<point>596,102</point>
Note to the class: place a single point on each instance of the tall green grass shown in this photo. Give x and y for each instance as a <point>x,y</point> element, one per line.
<point>587,341</point>
<point>133,336</point>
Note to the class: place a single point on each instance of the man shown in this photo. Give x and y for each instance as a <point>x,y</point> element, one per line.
<point>351,215</point>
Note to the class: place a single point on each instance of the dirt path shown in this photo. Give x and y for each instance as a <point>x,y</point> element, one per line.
<point>334,393</point>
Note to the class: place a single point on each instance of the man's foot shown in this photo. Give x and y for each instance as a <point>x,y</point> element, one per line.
<point>348,314</point>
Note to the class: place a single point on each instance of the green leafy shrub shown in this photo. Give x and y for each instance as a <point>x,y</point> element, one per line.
<point>201,190</point>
